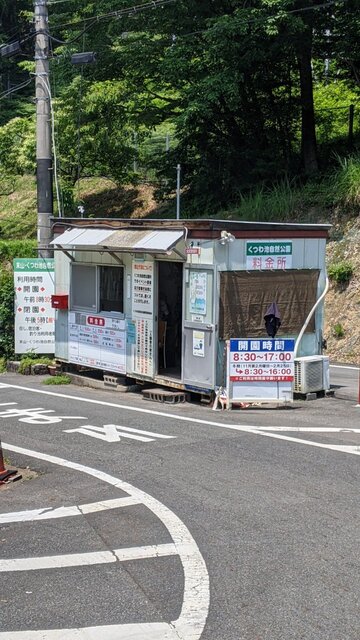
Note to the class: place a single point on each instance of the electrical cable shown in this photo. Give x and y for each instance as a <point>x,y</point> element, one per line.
<point>55,134</point>
<point>7,93</point>
<point>79,123</point>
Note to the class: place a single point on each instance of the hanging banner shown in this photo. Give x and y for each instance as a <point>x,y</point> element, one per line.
<point>142,291</point>
<point>34,316</point>
<point>268,255</point>
<point>143,316</point>
<point>144,358</point>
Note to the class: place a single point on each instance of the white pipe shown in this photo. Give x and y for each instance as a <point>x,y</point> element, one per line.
<point>297,343</point>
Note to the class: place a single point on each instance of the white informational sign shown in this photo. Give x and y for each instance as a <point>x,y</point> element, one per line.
<point>199,344</point>
<point>97,341</point>
<point>34,316</point>
<point>268,255</point>
<point>143,316</point>
<point>142,288</point>
<point>260,369</point>
<point>263,360</point>
<point>198,286</point>
<point>144,357</point>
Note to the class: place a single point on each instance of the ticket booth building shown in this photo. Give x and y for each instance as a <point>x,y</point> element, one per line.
<point>156,300</point>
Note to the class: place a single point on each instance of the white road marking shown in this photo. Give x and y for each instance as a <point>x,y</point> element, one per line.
<point>65,512</point>
<point>56,562</point>
<point>114,433</point>
<point>147,631</point>
<point>36,415</point>
<point>87,559</point>
<point>255,430</point>
<point>196,599</point>
<point>312,429</point>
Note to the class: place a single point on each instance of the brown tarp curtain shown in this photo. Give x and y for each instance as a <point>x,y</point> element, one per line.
<point>246,295</point>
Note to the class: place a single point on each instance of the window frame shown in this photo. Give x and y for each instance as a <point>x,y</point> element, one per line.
<point>78,307</point>
<point>96,309</point>
<point>111,266</point>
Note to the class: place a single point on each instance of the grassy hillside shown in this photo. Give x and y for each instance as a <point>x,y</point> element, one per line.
<point>331,196</point>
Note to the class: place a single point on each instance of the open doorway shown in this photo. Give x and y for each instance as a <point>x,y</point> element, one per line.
<point>170,291</point>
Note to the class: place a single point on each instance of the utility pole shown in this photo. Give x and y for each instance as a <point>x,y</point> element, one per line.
<point>44,167</point>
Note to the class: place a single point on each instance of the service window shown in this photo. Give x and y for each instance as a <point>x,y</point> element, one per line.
<point>111,282</point>
<point>84,287</point>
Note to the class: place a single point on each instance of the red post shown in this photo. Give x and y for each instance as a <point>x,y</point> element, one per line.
<point>2,466</point>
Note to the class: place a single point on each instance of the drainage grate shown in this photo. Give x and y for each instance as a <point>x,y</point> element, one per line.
<point>165,396</point>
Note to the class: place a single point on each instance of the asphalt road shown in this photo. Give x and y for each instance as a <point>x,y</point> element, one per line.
<point>152,522</point>
<point>345,381</point>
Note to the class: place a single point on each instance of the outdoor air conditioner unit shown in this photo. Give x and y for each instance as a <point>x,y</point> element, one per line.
<point>311,374</point>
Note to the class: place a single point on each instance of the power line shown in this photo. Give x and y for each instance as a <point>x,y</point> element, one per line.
<point>8,92</point>
<point>119,13</point>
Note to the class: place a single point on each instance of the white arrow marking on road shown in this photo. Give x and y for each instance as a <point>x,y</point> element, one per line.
<point>65,512</point>
<point>114,433</point>
<point>196,600</point>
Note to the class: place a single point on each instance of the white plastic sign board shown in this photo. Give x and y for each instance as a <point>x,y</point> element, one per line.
<point>268,255</point>
<point>97,341</point>
<point>143,283</point>
<point>34,316</point>
<point>260,369</point>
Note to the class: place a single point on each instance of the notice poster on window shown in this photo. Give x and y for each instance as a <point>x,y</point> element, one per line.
<point>198,286</point>
<point>143,282</point>
<point>97,341</point>
<point>34,316</point>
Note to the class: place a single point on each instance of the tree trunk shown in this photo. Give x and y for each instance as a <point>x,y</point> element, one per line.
<point>308,133</point>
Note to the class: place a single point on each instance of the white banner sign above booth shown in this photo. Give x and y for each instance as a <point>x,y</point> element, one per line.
<point>268,255</point>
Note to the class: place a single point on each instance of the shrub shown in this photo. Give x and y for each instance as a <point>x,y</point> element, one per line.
<point>341,272</point>
<point>339,331</point>
<point>60,379</point>
<point>28,360</point>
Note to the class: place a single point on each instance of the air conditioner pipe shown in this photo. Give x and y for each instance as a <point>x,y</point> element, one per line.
<point>299,338</point>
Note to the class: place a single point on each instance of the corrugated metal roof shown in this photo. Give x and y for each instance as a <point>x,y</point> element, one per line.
<point>132,240</point>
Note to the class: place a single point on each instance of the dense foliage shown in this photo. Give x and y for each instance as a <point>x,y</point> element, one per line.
<point>239,93</point>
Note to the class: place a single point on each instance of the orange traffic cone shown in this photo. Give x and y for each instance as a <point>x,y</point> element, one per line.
<point>5,474</point>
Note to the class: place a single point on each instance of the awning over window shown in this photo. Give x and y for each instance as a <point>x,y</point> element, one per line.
<point>122,240</point>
